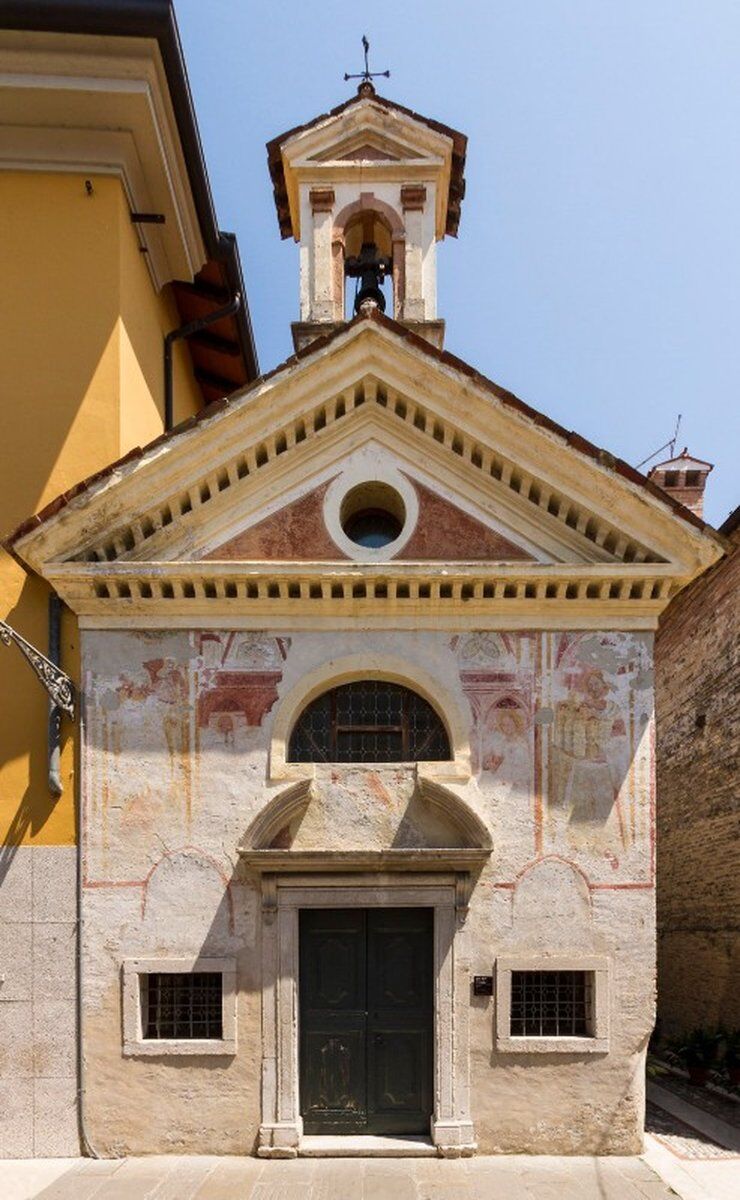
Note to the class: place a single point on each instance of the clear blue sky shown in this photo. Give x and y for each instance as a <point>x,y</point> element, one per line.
<point>597,269</point>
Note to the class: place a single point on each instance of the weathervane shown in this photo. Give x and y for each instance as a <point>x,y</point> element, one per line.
<point>367,75</point>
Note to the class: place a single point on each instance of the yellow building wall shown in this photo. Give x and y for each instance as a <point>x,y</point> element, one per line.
<point>81,384</point>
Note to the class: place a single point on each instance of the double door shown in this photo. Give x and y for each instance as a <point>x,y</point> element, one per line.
<point>366,1020</point>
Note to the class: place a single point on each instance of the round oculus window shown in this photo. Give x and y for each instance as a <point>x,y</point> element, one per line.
<point>373,515</point>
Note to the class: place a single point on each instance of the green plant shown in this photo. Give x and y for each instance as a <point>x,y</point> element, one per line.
<point>654,1068</point>
<point>732,1048</point>
<point>699,1049</point>
<point>731,1056</point>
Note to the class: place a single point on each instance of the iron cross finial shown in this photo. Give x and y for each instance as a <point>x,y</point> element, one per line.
<point>367,75</point>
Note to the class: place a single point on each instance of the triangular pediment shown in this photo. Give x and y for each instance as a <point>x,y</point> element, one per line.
<point>497,493</point>
<point>367,123</point>
<point>366,145</point>
<point>300,531</point>
<point>373,136</point>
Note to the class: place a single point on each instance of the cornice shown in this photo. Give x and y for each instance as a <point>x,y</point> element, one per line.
<point>382,595</point>
<point>64,109</point>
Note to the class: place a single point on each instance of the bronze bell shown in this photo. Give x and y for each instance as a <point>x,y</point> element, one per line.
<point>371,269</point>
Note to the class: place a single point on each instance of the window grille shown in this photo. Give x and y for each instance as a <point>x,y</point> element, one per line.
<point>551,1003</point>
<point>369,721</point>
<point>182,1005</point>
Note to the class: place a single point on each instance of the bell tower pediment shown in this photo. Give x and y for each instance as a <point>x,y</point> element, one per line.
<point>367,190</point>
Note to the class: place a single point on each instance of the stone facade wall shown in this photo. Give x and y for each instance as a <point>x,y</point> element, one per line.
<point>698,766</point>
<point>38,1071</point>
<point>558,730</point>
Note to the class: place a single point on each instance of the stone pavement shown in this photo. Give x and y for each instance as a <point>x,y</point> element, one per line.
<point>697,1166</point>
<point>189,1178</point>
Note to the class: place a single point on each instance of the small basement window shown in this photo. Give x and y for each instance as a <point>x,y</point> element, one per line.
<point>176,1006</point>
<point>551,1003</point>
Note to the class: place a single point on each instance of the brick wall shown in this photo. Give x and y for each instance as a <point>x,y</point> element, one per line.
<point>697,694</point>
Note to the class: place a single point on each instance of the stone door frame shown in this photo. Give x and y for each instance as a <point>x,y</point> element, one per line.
<point>281,1127</point>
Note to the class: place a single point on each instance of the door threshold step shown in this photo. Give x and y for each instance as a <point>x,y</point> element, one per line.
<point>365,1146</point>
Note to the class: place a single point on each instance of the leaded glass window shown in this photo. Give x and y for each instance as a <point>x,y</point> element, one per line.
<point>369,721</point>
<point>551,1003</point>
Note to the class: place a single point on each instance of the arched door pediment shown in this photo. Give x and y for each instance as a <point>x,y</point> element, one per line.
<point>269,843</point>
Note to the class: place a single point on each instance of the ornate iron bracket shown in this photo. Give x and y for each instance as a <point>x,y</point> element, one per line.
<point>59,686</point>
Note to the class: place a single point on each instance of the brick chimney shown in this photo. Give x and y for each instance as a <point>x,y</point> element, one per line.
<point>684,478</point>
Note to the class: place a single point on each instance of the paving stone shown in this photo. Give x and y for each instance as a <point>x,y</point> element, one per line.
<point>497,1186</point>
<point>209,1178</point>
<point>440,1179</point>
<point>280,1190</point>
<point>71,1187</point>
<point>654,1189</point>
<point>385,1179</point>
<point>574,1185</point>
<point>136,1179</point>
<point>231,1179</point>
<point>339,1179</point>
<point>610,1183</point>
<point>187,1177</point>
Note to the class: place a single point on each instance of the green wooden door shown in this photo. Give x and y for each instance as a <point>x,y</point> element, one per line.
<point>366,1016</point>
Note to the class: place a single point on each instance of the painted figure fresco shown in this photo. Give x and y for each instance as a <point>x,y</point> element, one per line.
<point>238,676</point>
<point>496,673</point>
<point>596,751</point>
<point>561,722</point>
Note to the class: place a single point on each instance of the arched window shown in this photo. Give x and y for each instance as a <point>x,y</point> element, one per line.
<point>369,721</point>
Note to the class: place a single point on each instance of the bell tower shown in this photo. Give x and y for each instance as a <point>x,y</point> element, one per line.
<point>367,190</point>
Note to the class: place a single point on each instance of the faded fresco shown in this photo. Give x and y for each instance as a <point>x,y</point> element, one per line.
<point>601,703</point>
<point>559,734</point>
<point>165,701</point>
<point>561,722</point>
<point>557,728</point>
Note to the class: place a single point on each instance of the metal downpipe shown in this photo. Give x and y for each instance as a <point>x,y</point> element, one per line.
<point>186,331</point>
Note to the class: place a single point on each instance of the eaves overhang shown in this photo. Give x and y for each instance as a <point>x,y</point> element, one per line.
<point>139,23</point>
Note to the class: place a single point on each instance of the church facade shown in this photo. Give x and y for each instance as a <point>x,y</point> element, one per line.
<point>367,801</point>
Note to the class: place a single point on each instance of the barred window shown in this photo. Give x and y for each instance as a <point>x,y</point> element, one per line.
<point>552,1004</point>
<point>182,1005</point>
<point>369,721</point>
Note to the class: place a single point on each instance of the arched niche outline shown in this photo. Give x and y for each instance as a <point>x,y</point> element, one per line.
<point>368,203</point>
<point>291,803</point>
